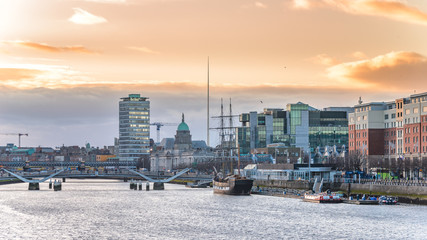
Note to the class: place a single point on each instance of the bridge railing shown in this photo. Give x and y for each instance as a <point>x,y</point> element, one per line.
<point>397,182</point>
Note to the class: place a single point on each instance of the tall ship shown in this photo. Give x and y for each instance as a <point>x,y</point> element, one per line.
<point>233,184</point>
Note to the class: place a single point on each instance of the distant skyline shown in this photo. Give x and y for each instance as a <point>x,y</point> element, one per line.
<point>65,64</point>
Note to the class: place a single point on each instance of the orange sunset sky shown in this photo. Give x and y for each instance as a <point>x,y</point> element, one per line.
<point>64,64</point>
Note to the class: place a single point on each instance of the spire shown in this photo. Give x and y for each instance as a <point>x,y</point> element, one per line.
<point>182,117</point>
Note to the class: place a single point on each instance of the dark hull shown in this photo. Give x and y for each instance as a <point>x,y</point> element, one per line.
<point>233,186</point>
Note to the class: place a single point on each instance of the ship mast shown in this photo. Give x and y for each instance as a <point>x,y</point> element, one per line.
<point>230,139</point>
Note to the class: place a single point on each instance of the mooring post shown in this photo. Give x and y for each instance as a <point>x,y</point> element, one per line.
<point>147,186</point>
<point>63,179</point>
<point>140,186</point>
<point>50,184</point>
<point>33,186</point>
<point>158,186</point>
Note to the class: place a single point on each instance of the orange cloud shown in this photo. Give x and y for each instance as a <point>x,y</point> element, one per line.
<point>29,76</point>
<point>49,48</point>
<point>18,73</point>
<point>323,59</point>
<point>394,10</point>
<point>143,50</point>
<point>407,70</point>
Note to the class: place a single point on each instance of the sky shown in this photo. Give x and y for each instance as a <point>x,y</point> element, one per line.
<point>65,64</point>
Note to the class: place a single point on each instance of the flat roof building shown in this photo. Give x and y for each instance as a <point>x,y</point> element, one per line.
<point>134,127</point>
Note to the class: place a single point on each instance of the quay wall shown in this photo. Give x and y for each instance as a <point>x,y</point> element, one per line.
<point>385,189</point>
<point>366,188</point>
<point>284,184</point>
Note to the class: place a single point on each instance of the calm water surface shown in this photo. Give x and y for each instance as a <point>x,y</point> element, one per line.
<point>104,209</point>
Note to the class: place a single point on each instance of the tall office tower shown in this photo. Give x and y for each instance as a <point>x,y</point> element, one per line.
<point>134,129</point>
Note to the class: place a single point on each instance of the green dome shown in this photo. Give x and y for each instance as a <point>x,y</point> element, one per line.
<point>183,127</point>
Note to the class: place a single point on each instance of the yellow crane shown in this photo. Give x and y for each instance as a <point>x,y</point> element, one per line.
<point>19,136</point>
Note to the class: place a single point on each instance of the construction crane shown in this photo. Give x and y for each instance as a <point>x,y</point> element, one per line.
<point>159,125</point>
<point>19,135</point>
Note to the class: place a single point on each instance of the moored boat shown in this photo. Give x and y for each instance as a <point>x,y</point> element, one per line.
<point>232,185</point>
<point>322,198</point>
<point>383,200</point>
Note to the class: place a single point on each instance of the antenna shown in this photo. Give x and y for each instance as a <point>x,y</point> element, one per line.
<point>207,126</point>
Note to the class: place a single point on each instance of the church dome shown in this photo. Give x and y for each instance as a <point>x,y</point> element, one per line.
<point>183,126</point>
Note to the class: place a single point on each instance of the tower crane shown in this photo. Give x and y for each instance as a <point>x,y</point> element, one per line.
<point>19,136</point>
<point>159,125</point>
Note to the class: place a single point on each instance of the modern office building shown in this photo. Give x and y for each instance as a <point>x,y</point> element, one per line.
<point>395,130</point>
<point>134,129</point>
<point>300,126</point>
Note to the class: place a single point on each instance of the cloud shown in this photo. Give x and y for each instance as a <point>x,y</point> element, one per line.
<point>79,113</point>
<point>30,76</point>
<point>302,4</point>
<point>49,48</point>
<point>108,1</point>
<point>260,5</point>
<point>15,74</point>
<point>359,55</point>
<point>143,50</point>
<point>404,70</point>
<point>390,9</point>
<point>323,59</point>
<point>255,5</point>
<point>83,17</point>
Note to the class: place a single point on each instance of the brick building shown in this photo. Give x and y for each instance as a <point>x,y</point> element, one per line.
<point>394,132</point>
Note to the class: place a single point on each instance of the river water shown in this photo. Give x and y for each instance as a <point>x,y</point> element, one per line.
<point>107,209</point>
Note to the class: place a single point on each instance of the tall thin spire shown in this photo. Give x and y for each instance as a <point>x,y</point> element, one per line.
<point>182,117</point>
<point>207,125</point>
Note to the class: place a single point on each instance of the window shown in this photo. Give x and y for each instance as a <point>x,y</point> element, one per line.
<point>408,111</point>
<point>386,116</point>
<point>425,109</point>
<point>365,117</point>
<point>415,110</point>
<point>393,115</point>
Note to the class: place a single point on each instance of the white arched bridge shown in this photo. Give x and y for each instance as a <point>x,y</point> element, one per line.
<point>35,179</point>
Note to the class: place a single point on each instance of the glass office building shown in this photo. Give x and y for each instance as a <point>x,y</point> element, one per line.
<point>299,126</point>
<point>134,127</point>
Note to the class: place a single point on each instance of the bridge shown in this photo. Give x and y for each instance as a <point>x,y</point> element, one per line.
<point>34,179</point>
<point>67,164</point>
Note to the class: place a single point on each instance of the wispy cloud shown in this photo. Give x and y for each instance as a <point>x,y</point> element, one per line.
<point>256,4</point>
<point>28,76</point>
<point>144,50</point>
<point>83,17</point>
<point>391,9</point>
<point>260,5</point>
<point>48,48</point>
<point>359,55</point>
<point>323,59</point>
<point>108,1</point>
<point>404,70</point>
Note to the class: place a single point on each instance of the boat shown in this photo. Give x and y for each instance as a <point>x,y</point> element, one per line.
<point>232,185</point>
<point>198,185</point>
<point>322,198</point>
<point>362,201</point>
<point>384,200</point>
